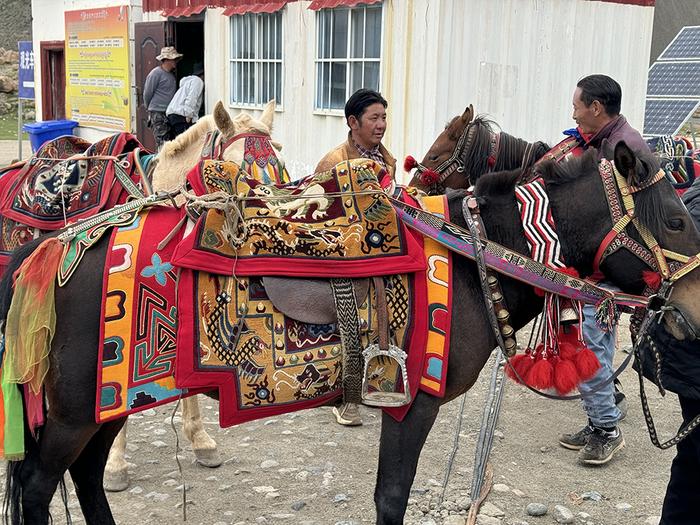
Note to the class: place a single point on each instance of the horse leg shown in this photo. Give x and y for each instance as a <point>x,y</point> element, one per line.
<point>116,477</point>
<point>87,474</point>
<point>399,449</point>
<point>38,475</point>
<point>203,445</point>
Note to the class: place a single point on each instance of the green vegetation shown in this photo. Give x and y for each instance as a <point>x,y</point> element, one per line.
<point>8,127</point>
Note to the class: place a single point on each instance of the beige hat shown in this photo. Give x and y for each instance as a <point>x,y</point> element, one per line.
<point>169,53</point>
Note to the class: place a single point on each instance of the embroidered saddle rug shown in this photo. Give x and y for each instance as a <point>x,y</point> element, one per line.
<point>337,223</point>
<point>50,189</point>
<point>139,318</point>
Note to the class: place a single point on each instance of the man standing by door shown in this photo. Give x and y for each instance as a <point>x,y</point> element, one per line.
<point>158,91</point>
<point>183,110</point>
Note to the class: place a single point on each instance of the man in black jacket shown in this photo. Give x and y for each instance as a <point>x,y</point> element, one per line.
<point>680,373</point>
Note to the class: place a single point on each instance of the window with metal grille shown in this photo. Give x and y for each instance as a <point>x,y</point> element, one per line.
<point>348,52</point>
<point>256,59</point>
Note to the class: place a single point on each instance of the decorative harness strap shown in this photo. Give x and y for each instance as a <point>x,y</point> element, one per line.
<point>622,212</point>
<point>511,263</point>
<point>536,217</point>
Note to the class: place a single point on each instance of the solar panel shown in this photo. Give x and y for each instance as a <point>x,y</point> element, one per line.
<point>674,79</point>
<point>686,45</point>
<point>665,117</point>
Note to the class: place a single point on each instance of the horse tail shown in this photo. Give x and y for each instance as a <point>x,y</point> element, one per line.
<point>37,262</point>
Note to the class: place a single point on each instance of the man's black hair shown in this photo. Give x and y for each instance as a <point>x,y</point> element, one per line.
<point>360,100</point>
<point>603,89</point>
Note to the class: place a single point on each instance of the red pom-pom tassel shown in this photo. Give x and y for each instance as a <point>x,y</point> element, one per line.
<point>541,375</point>
<point>652,279</point>
<point>429,177</point>
<point>519,364</point>
<point>565,376</point>
<point>409,163</point>
<point>587,364</point>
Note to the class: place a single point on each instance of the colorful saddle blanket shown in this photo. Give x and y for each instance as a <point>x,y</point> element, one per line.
<point>139,318</point>
<point>265,363</point>
<point>337,223</point>
<point>52,189</point>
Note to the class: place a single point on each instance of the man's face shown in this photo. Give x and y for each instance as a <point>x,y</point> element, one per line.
<point>369,130</point>
<point>588,118</point>
<point>169,65</point>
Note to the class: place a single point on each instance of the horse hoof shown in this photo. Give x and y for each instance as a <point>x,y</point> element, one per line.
<point>116,481</point>
<point>208,457</point>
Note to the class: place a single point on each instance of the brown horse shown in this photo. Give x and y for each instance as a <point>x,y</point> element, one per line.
<point>71,440</point>
<point>469,147</point>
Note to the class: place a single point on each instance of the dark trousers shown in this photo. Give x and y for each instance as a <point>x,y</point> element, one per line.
<point>178,124</point>
<point>160,127</point>
<point>681,505</point>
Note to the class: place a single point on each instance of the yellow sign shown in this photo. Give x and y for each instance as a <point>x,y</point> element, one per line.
<point>97,67</point>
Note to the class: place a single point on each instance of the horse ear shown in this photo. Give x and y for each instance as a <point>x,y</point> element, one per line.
<point>222,119</point>
<point>468,114</point>
<point>626,163</point>
<point>268,114</point>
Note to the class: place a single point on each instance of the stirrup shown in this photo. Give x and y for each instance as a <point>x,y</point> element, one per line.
<point>379,398</point>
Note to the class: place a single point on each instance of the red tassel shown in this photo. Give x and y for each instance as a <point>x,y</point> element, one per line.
<point>587,364</point>
<point>541,375</point>
<point>522,364</point>
<point>652,279</point>
<point>567,351</point>
<point>409,163</point>
<point>565,376</point>
<point>429,177</point>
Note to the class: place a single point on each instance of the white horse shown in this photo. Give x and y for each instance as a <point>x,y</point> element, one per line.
<point>174,161</point>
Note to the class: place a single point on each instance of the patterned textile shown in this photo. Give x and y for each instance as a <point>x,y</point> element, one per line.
<point>260,161</point>
<point>336,223</point>
<point>439,279</point>
<point>12,233</point>
<point>37,195</point>
<point>264,363</point>
<point>678,159</point>
<point>139,315</point>
<point>538,224</point>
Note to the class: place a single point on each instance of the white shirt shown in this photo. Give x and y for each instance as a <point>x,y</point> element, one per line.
<point>188,98</point>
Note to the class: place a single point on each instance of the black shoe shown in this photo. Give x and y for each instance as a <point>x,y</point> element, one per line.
<point>601,447</point>
<point>578,440</point>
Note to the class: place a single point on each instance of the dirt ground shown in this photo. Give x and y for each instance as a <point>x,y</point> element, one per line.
<point>305,469</point>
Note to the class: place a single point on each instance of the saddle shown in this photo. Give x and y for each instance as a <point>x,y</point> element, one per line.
<point>309,300</point>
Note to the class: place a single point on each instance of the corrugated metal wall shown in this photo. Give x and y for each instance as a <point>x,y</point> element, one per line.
<point>517,60</point>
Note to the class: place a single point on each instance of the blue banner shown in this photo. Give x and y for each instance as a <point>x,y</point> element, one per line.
<point>26,70</point>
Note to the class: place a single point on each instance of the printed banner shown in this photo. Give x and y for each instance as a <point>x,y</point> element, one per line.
<point>97,67</point>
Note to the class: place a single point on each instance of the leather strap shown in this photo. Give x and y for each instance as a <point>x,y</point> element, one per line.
<point>382,313</point>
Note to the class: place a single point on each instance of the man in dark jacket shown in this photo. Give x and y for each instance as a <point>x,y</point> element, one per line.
<point>680,373</point>
<point>596,101</point>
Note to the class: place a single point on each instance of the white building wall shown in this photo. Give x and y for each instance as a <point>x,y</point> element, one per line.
<point>516,60</point>
<point>48,23</point>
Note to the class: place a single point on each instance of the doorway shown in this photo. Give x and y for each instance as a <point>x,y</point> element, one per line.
<point>53,80</point>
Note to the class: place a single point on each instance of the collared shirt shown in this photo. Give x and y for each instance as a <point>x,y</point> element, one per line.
<point>373,153</point>
<point>188,98</point>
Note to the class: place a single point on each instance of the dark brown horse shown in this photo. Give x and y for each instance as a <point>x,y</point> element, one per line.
<point>470,147</point>
<point>71,440</point>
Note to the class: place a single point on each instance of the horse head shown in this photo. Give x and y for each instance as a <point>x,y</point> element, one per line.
<point>633,228</point>
<point>468,148</point>
<point>216,136</point>
<point>235,130</point>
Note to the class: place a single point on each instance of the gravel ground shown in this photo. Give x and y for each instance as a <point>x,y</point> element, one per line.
<point>305,469</point>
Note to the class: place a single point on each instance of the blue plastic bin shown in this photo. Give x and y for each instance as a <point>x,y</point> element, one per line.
<point>40,132</point>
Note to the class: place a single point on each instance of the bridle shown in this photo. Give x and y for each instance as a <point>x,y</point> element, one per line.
<point>670,265</point>
<point>214,145</point>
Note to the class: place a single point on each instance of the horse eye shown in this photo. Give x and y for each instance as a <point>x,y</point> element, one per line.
<point>433,158</point>
<point>675,224</point>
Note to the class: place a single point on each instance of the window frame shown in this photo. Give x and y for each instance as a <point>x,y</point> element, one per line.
<point>347,60</point>
<point>256,62</point>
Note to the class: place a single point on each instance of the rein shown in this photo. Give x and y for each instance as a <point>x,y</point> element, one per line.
<point>214,145</point>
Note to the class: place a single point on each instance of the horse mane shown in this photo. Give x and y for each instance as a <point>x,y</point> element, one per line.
<point>477,155</point>
<point>184,140</point>
<point>497,183</point>
<point>244,123</point>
